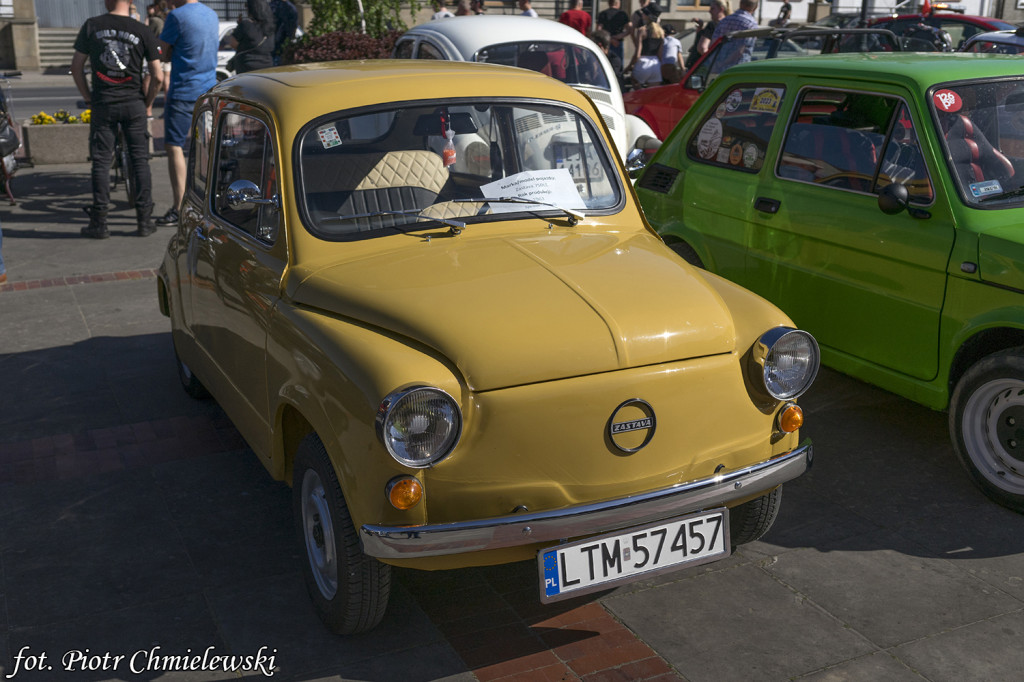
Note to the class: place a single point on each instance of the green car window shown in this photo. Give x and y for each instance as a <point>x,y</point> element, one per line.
<point>903,162</point>
<point>835,139</point>
<point>737,132</point>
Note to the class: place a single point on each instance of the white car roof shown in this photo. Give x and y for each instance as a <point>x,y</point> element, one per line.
<point>471,34</point>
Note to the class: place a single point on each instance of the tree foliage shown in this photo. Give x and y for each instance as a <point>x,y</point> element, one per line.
<point>381,16</point>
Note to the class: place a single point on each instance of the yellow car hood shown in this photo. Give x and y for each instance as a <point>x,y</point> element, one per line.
<point>516,310</point>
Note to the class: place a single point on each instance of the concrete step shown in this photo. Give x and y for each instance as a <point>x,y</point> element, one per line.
<point>56,46</point>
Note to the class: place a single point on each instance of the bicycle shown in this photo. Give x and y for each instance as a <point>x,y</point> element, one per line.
<point>121,167</point>
<point>10,140</point>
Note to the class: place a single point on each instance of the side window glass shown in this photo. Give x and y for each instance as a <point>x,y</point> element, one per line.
<point>404,49</point>
<point>245,152</point>
<point>428,51</point>
<point>199,156</point>
<point>903,162</point>
<point>835,139</point>
<point>736,134</point>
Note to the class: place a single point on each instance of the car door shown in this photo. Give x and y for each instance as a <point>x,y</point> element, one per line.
<point>866,284</point>
<point>239,256</point>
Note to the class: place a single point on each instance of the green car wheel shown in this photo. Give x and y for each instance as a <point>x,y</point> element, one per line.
<point>987,424</point>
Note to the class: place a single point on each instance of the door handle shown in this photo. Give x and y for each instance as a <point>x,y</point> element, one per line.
<point>766,205</point>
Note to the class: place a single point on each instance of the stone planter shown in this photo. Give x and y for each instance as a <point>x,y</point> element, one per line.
<point>56,143</point>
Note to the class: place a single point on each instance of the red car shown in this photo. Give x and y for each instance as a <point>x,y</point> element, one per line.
<point>662,106</point>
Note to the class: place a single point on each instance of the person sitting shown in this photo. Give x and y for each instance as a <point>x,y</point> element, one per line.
<point>648,39</point>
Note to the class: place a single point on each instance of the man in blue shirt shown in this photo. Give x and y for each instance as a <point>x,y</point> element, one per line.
<point>740,20</point>
<point>189,40</point>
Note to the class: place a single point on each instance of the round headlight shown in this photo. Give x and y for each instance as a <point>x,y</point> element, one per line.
<point>789,360</point>
<point>419,425</point>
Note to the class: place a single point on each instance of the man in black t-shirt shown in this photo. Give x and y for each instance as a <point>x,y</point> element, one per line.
<point>616,22</point>
<point>117,46</point>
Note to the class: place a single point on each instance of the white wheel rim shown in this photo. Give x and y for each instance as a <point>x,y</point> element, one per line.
<point>318,533</point>
<point>993,432</point>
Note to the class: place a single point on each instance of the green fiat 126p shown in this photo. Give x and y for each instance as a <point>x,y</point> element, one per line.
<point>879,200</point>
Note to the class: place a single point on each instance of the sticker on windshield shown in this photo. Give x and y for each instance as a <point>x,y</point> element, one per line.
<point>329,136</point>
<point>736,154</point>
<point>553,186</point>
<point>709,138</point>
<point>734,100</point>
<point>766,100</point>
<point>984,189</point>
<point>948,101</point>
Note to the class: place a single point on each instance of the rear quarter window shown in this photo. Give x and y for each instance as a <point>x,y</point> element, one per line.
<point>736,133</point>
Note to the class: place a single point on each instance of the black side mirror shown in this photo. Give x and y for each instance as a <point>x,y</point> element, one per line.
<point>893,198</point>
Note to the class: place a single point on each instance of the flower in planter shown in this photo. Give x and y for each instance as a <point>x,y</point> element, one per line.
<point>61,116</point>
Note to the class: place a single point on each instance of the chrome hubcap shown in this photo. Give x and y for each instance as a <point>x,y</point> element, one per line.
<point>318,533</point>
<point>993,428</point>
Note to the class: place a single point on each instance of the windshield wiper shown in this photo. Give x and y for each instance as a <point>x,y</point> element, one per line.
<point>456,227</point>
<point>573,215</point>
<point>1005,195</point>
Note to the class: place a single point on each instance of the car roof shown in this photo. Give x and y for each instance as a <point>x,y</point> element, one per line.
<point>966,18</point>
<point>299,93</point>
<point>920,69</point>
<point>1013,37</point>
<point>470,34</point>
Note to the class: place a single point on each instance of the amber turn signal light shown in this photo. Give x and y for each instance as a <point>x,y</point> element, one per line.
<point>404,492</point>
<point>791,418</point>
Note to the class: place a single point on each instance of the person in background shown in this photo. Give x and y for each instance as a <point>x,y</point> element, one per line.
<point>477,7</point>
<point>671,56</point>
<point>253,38</point>
<point>286,18</point>
<point>441,10</point>
<point>742,19</point>
<point>190,40</point>
<point>648,39</point>
<point>117,47</point>
<point>462,9</point>
<point>133,12</point>
<point>576,17</point>
<point>603,40</point>
<point>783,19</point>
<point>155,15</point>
<point>718,9</point>
<point>617,24</point>
<point>526,9</point>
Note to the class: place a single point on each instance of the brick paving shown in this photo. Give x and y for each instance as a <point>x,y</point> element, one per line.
<point>26,285</point>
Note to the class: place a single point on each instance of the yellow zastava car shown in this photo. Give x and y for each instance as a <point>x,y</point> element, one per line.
<point>425,295</point>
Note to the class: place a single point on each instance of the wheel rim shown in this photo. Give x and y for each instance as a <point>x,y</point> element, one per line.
<point>318,533</point>
<point>993,432</point>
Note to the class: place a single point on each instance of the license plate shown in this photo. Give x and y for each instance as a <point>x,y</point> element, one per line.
<point>624,556</point>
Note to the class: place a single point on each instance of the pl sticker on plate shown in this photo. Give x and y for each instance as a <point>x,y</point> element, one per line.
<point>329,136</point>
<point>984,189</point>
<point>948,101</point>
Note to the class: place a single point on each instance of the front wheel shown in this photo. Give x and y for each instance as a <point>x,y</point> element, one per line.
<point>349,589</point>
<point>986,422</point>
<point>127,171</point>
<point>751,520</point>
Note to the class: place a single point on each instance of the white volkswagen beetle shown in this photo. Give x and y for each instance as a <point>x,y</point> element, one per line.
<point>539,44</point>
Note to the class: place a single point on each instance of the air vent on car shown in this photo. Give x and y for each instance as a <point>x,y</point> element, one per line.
<point>608,121</point>
<point>658,178</point>
<point>597,95</point>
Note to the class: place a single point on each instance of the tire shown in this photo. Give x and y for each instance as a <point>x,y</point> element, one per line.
<point>686,252</point>
<point>349,589</point>
<point>986,423</point>
<point>189,381</point>
<point>751,520</point>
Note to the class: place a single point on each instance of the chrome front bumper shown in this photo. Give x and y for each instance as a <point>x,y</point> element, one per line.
<point>410,542</point>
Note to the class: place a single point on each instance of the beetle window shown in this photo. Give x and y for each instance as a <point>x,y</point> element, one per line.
<point>199,156</point>
<point>903,162</point>
<point>836,139</point>
<point>428,51</point>
<point>570,64</point>
<point>736,133</point>
<point>245,152</point>
<point>404,49</point>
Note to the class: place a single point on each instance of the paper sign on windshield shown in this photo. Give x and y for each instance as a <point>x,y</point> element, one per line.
<point>550,187</point>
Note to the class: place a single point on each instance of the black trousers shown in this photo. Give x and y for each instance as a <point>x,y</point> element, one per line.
<point>131,117</point>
